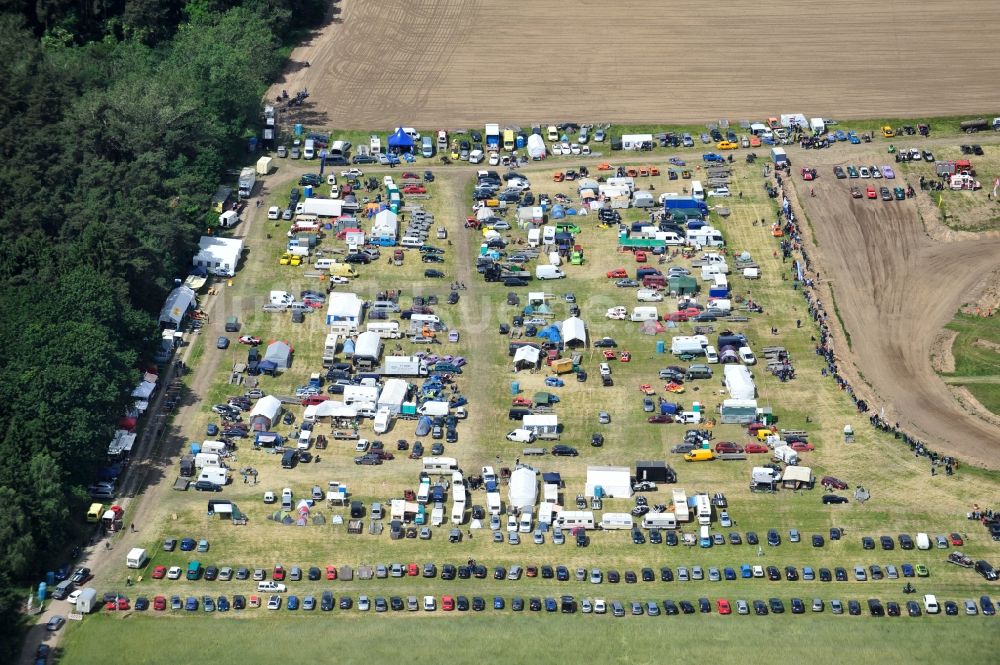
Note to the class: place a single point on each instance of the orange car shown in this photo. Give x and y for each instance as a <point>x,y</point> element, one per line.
<point>604,166</point>
<point>558,176</point>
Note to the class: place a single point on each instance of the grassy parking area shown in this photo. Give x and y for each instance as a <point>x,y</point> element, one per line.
<point>808,402</point>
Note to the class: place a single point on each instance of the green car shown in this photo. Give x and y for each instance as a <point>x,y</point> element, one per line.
<point>851,171</point>
<point>922,570</point>
<point>900,193</point>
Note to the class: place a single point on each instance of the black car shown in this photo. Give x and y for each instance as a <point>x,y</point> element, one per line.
<point>833,498</point>
<point>363,159</point>
<point>875,607</point>
<point>868,543</point>
<point>777,607</point>
<point>240,602</point>
<point>614,577</point>
<point>951,608</point>
<point>630,577</point>
<point>605,343</point>
<point>671,539</point>
<point>798,607</point>
<point>81,575</point>
<point>840,574</point>
<point>905,542</point>
<point>817,540</point>
<point>211,573</point>
<point>478,604</point>
<point>346,603</point>
<point>547,572</point>
<point>670,608</point>
<point>752,538</point>
<point>655,537</point>
<point>666,574</point>
<point>396,603</point>
<point>207,486</point>
<point>479,571</point>
<point>326,602</point>
<point>535,604</point>
<point>448,572</point>
<point>773,537</point>
<point>791,574</point>
<point>358,257</point>
<point>773,574</point>
<point>582,539</point>
<point>887,543</point>
<point>432,273</point>
<point>562,573</point>
<point>564,451</point>
<point>760,608</point>
<point>824,575</point>
<point>854,608</point>
<point>648,575</point>
<point>464,572</point>
<point>637,537</point>
<point>462,604</point>
<point>687,607</point>
<point>499,573</point>
<point>517,604</point>
<point>913,608</point>
<point>892,609</point>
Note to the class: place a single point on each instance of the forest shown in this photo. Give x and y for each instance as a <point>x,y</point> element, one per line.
<point>119,119</point>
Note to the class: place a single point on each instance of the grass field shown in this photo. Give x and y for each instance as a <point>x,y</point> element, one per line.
<point>540,639</point>
<point>809,402</point>
<point>977,358</point>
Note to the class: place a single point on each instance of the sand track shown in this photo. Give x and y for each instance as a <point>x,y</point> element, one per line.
<point>896,288</point>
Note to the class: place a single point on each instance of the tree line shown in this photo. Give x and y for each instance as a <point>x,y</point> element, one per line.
<point>118,121</point>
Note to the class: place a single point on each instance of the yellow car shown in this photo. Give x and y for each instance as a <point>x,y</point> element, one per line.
<point>727,145</point>
<point>285,259</point>
<point>888,132</point>
<point>296,260</point>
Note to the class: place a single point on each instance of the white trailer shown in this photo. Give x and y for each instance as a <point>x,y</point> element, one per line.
<point>493,503</point>
<point>681,506</point>
<point>612,521</point>
<point>703,506</point>
<point>136,558</point>
<point>659,521</point>
<point>570,519</point>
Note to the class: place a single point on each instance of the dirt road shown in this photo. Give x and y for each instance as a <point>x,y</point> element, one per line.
<point>895,288</point>
<point>453,63</point>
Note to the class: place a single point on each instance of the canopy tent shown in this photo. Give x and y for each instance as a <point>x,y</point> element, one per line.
<point>265,413</point>
<point>279,353</point>
<point>330,409</point>
<point>574,332</point>
<point>399,141</point>
<point>526,356</point>
<point>682,285</point>
<point>651,327</point>
<point>523,491</point>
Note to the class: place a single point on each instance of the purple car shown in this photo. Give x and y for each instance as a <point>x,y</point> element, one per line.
<point>887,172</point>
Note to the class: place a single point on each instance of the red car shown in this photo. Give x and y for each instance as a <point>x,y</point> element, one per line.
<point>531,571</point>
<point>678,317</point>
<point>727,447</point>
<point>412,570</point>
<point>640,257</point>
<point>122,605</point>
<point>802,446</point>
<point>659,419</point>
<point>723,606</point>
<point>279,573</point>
<point>159,572</point>
<point>159,603</point>
<point>831,482</point>
<point>447,603</point>
<point>956,540</point>
<point>755,447</point>
<point>414,189</point>
<point>410,175</point>
<point>808,173</point>
<point>313,400</point>
<point>617,273</point>
<point>331,572</point>
<point>250,339</point>
<point>871,193</point>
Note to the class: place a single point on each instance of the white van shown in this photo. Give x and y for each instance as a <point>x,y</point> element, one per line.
<point>412,242</point>
<point>923,541</point>
<point>281,298</point>
<point>746,355</point>
<point>648,295</point>
<point>711,355</point>
<point>309,151</point>
<point>548,235</point>
<point>524,526</point>
<point>286,498</point>
<point>548,272</point>
<point>521,435</point>
<point>704,537</point>
<point>931,604</point>
<point>425,319</point>
<point>697,191</point>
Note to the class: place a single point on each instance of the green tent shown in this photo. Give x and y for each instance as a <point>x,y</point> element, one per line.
<point>682,285</point>
<point>641,243</point>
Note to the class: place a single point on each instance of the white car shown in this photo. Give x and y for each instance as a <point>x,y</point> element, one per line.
<point>274,603</point>
<point>174,573</point>
<point>565,147</point>
<point>864,172</point>
<point>724,519</point>
<point>352,173</point>
<point>721,192</point>
<point>585,150</point>
<point>430,603</point>
<point>555,149</point>
<point>746,355</point>
<point>758,571</point>
<point>501,226</point>
<point>269,497</point>
<point>364,604</point>
<point>617,314</point>
<point>600,607</point>
<point>574,148</point>
<point>494,158</point>
<point>334,191</point>
<point>274,212</point>
<point>331,179</point>
<point>605,369</point>
<point>71,599</point>
<point>337,279</point>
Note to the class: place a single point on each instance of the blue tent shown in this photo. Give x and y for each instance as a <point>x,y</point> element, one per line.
<point>550,333</point>
<point>399,141</point>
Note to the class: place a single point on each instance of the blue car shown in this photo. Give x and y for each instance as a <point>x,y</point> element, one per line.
<point>188,544</point>
<point>550,605</point>
<point>908,570</point>
<point>498,603</point>
<point>729,574</point>
<point>191,604</point>
<point>840,135</point>
<point>222,604</point>
<point>554,382</point>
<point>745,571</point>
<point>293,603</point>
<point>176,603</point>
<point>853,138</point>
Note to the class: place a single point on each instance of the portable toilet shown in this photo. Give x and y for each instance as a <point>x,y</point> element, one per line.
<point>43,589</point>
<point>195,447</point>
<point>50,578</point>
<point>599,491</point>
<point>298,129</point>
<point>661,346</point>
<point>515,387</point>
<point>348,347</point>
<point>521,141</point>
<point>307,191</point>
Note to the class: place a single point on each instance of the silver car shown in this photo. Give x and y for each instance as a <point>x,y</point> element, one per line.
<point>742,607</point>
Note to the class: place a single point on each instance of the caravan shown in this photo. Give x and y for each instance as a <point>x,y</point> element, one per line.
<point>659,521</point>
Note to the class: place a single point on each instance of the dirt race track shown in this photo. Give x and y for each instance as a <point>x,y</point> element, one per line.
<point>451,63</point>
<point>896,288</point>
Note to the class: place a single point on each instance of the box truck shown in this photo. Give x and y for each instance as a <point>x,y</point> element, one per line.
<point>248,178</point>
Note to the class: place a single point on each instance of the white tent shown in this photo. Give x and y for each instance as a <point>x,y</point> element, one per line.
<point>615,481</point>
<point>330,409</point>
<point>267,406</point>
<point>219,256</point>
<point>386,225</point>
<point>280,353</point>
<point>526,356</point>
<point>536,146</point>
<point>523,491</point>
<point>574,331</point>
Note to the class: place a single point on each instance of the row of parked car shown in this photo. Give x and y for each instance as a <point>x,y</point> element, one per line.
<point>565,604</point>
